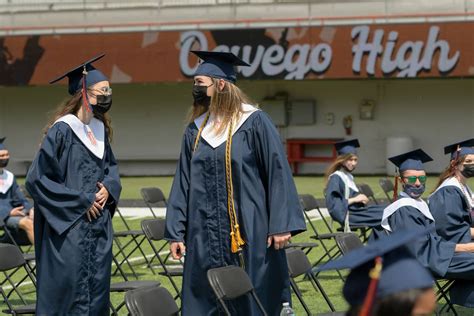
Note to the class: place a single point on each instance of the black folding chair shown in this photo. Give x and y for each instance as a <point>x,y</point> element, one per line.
<point>298,265</point>
<point>137,237</point>
<point>367,191</point>
<point>151,301</point>
<point>387,187</point>
<point>442,289</point>
<point>12,261</point>
<point>348,242</point>
<point>154,230</point>
<point>153,197</point>
<point>229,283</point>
<point>125,287</point>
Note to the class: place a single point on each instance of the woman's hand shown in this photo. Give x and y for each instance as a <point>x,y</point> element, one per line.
<point>102,196</point>
<point>279,240</point>
<point>178,250</point>
<point>17,211</point>
<point>361,198</point>
<point>94,211</point>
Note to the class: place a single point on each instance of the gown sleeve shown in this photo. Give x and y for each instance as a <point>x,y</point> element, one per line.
<point>335,201</point>
<point>112,178</point>
<point>284,210</point>
<point>453,221</point>
<point>177,209</point>
<point>61,206</point>
<point>431,250</point>
<point>19,197</point>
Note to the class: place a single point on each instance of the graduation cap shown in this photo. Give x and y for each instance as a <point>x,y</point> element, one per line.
<point>412,160</point>
<point>2,146</point>
<point>460,149</point>
<point>219,65</point>
<point>347,147</point>
<point>398,270</point>
<point>76,75</point>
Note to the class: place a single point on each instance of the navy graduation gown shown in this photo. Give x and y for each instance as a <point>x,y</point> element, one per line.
<point>359,213</point>
<point>437,254</point>
<point>452,214</point>
<point>11,198</point>
<point>266,202</point>
<point>73,255</point>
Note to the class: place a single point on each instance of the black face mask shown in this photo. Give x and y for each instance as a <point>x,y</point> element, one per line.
<point>414,191</point>
<point>468,171</point>
<point>200,96</point>
<point>3,163</point>
<point>104,103</point>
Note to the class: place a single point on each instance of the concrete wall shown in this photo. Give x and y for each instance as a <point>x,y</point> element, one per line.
<point>148,120</point>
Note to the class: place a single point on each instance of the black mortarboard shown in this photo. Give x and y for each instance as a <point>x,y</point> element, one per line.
<point>2,145</point>
<point>219,65</point>
<point>347,147</point>
<point>460,149</point>
<point>76,76</point>
<point>412,160</point>
<point>400,269</point>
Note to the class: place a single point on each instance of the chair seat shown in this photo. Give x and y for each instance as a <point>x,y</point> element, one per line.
<point>126,233</point>
<point>131,285</point>
<point>173,271</point>
<point>302,245</point>
<point>325,236</point>
<point>20,310</point>
<point>29,256</point>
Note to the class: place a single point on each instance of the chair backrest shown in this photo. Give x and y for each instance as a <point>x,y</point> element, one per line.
<point>10,257</point>
<point>308,202</point>
<point>387,187</point>
<point>154,229</point>
<point>229,282</point>
<point>348,242</point>
<point>298,262</point>
<point>153,195</point>
<point>367,191</point>
<point>151,301</point>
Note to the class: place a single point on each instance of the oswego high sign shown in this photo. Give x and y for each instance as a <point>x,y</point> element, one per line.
<point>327,52</point>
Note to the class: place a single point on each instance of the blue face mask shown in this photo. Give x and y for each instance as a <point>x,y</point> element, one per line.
<point>414,191</point>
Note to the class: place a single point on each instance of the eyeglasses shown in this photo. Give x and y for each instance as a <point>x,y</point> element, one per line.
<point>102,91</point>
<point>412,179</point>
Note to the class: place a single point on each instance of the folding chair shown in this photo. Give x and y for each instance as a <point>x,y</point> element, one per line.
<point>367,191</point>
<point>153,196</point>
<point>348,242</point>
<point>12,261</point>
<point>442,289</point>
<point>298,264</point>
<point>125,287</point>
<point>151,301</point>
<point>154,230</point>
<point>387,187</point>
<point>229,283</point>
<point>137,237</point>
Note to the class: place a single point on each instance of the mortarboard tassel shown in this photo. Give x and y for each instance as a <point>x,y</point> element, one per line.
<point>85,101</point>
<point>395,187</point>
<point>374,274</point>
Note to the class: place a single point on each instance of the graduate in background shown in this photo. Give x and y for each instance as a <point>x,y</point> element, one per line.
<point>386,279</point>
<point>75,185</point>
<point>15,210</point>
<point>452,201</point>
<point>233,199</point>
<point>443,258</point>
<point>344,202</point>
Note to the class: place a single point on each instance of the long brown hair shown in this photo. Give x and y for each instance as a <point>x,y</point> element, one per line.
<point>225,104</point>
<point>337,164</point>
<point>71,106</point>
<point>450,171</point>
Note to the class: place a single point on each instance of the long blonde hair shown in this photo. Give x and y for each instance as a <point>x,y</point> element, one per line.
<point>225,104</point>
<point>71,106</point>
<point>337,164</point>
<point>450,171</point>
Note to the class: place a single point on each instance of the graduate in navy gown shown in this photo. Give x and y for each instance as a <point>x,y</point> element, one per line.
<point>74,181</point>
<point>452,202</point>
<point>233,199</point>
<point>386,279</point>
<point>409,212</point>
<point>345,203</point>
<point>15,210</point>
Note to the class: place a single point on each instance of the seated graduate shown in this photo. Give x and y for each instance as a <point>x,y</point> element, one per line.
<point>409,212</point>
<point>74,181</point>
<point>344,202</point>
<point>452,202</point>
<point>386,279</point>
<point>15,210</point>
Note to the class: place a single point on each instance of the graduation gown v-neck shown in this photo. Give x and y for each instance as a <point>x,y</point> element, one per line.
<point>266,203</point>
<point>73,255</point>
